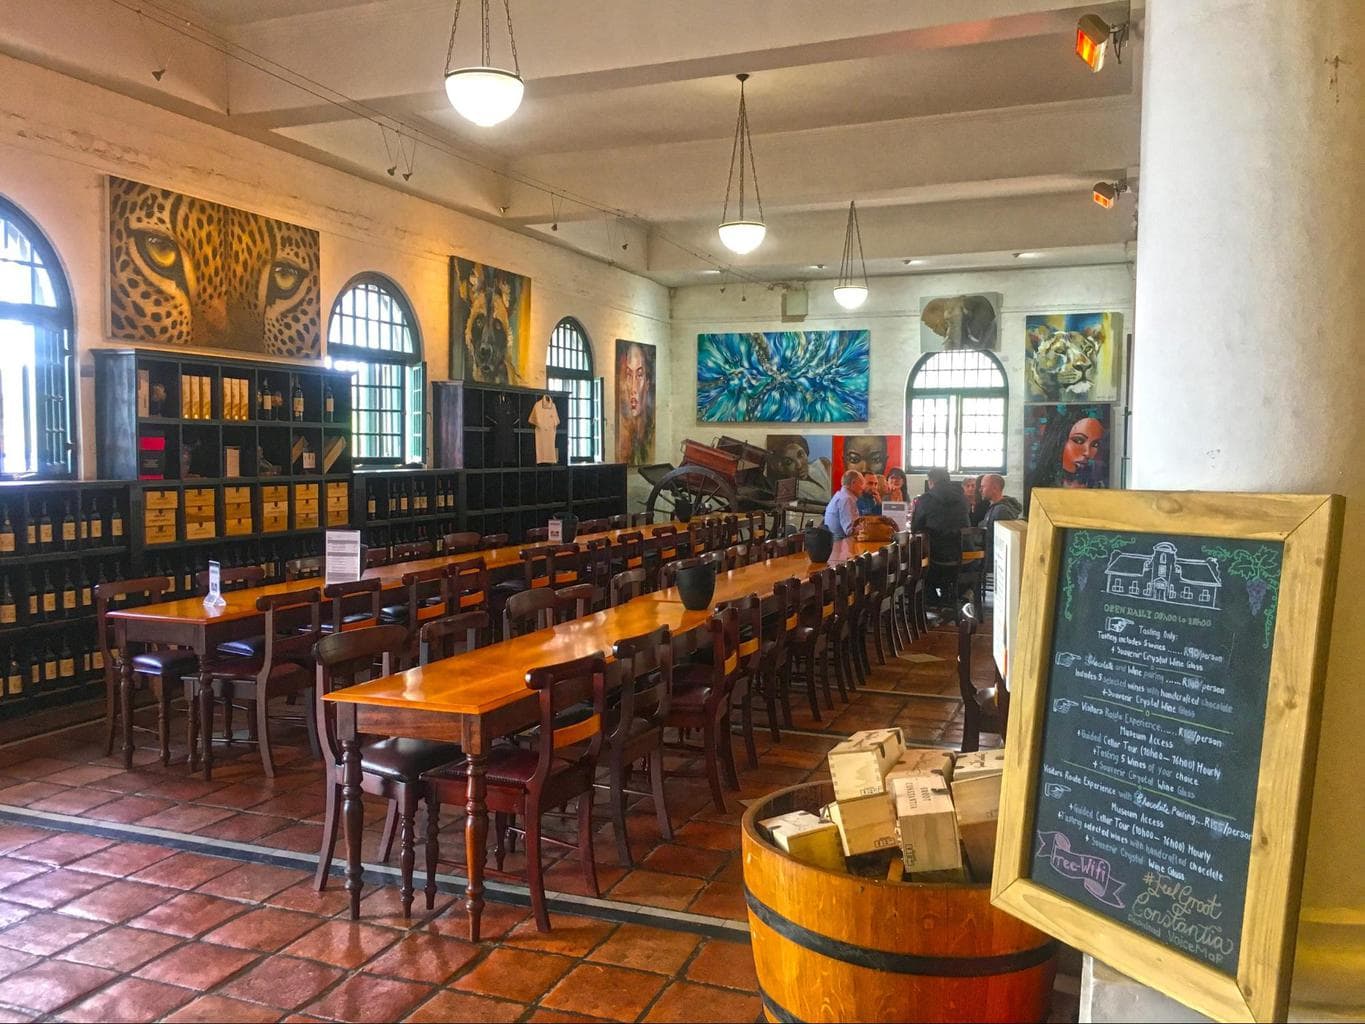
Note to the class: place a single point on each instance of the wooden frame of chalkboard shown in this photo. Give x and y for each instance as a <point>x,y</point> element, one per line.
<point>1075,893</point>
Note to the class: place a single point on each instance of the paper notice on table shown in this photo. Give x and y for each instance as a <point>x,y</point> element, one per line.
<point>343,556</point>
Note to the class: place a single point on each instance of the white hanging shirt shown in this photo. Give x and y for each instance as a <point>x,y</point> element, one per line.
<point>545,418</point>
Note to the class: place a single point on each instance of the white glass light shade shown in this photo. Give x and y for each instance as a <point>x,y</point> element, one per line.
<point>486,96</point>
<point>742,236</point>
<point>850,296</point>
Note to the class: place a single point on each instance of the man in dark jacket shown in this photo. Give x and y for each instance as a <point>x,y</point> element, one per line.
<point>1002,506</point>
<point>941,512</point>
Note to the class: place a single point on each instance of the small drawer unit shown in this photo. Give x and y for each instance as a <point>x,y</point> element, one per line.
<point>160,510</point>
<point>305,506</point>
<point>237,511</point>
<point>201,517</point>
<point>274,508</point>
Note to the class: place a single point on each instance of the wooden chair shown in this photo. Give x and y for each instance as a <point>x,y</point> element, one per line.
<point>701,701</point>
<point>307,568</point>
<point>238,578</point>
<point>749,679</point>
<point>637,728</point>
<point>461,543</point>
<point>590,526</point>
<point>451,635</point>
<point>526,783</point>
<point>575,602</point>
<point>641,519</point>
<point>619,522</point>
<point>468,584</point>
<point>595,568</point>
<point>528,611</point>
<point>661,548</point>
<point>284,667</point>
<point>984,710</point>
<point>413,550</point>
<point>537,535</point>
<point>493,540</point>
<point>884,578</point>
<point>153,665</point>
<point>919,555</point>
<point>371,558</point>
<point>735,556</point>
<point>390,767</point>
<point>626,586</point>
<point>808,642</point>
<point>729,530</point>
<point>355,605</point>
<point>629,551</point>
<point>779,632</point>
<point>428,597</point>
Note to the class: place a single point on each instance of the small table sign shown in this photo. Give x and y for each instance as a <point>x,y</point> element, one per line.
<point>343,556</point>
<point>215,598</point>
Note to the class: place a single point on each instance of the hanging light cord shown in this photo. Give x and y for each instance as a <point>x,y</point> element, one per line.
<point>743,142</point>
<point>486,53</point>
<point>846,264</point>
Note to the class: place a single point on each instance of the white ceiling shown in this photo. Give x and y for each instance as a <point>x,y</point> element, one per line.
<point>966,129</point>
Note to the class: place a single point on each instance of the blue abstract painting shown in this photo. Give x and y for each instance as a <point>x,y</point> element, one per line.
<point>783,377</point>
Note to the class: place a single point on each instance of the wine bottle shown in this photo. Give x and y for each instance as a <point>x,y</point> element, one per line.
<point>6,535</point>
<point>69,596</point>
<point>370,505</point>
<point>66,663</point>
<point>31,532</point>
<point>95,521</point>
<point>97,659</point>
<point>32,604</point>
<point>49,596</point>
<point>297,397</point>
<point>403,499</point>
<point>85,593</point>
<point>45,529</point>
<point>9,612</point>
<point>263,400</point>
<point>50,664</point>
<point>14,678</point>
<point>116,524</point>
<point>33,669</point>
<point>277,404</point>
<point>328,404</point>
<point>68,529</point>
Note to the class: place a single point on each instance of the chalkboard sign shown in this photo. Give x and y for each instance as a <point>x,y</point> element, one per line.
<point>1155,631</point>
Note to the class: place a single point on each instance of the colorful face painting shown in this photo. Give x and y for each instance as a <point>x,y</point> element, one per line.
<point>490,323</point>
<point>634,403</point>
<point>1073,357</point>
<point>953,322</point>
<point>185,271</point>
<point>783,377</point>
<point>865,453</point>
<point>807,458</point>
<point>1066,446</point>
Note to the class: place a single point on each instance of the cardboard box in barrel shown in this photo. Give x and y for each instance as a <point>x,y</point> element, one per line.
<point>927,823</point>
<point>976,794</point>
<point>859,764</point>
<point>807,838</point>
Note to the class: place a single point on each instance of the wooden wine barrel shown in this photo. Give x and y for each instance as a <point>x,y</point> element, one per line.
<point>831,946</point>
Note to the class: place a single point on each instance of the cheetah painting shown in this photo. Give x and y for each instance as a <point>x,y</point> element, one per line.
<point>490,323</point>
<point>185,271</point>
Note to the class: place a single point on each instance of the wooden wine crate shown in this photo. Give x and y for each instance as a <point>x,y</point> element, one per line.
<point>338,503</point>
<point>201,519</point>
<point>274,508</point>
<point>305,506</point>
<point>236,511</point>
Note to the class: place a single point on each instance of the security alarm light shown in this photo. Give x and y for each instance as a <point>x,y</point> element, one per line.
<point>1093,36</point>
<point>1106,193</point>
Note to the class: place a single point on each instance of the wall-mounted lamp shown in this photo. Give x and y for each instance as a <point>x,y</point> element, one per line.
<point>1093,37</point>
<point>1106,193</point>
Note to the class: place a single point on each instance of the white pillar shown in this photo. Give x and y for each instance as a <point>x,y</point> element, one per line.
<point>1249,369</point>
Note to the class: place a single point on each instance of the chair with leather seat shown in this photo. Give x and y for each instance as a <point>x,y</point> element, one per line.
<point>986,709</point>
<point>460,543</point>
<point>735,556</point>
<point>750,678</point>
<point>529,611</point>
<point>526,783</point>
<point>595,568</point>
<point>808,641</point>
<point>636,728</point>
<point>355,605</point>
<point>701,702</point>
<point>537,535</point>
<point>780,623</point>
<point>427,596</point>
<point>641,519</point>
<point>629,551</point>
<point>390,767</point>
<point>575,602</point>
<point>152,665</point>
<point>230,579</point>
<point>618,522</point>
<point>372,558</point>
<point>661,548</point>
<point>451,635</point>
<point>626,586</point>
<point>590,526</point>
<point>468,584</point>
<point>283,668</point>
<point>413,551</point>
<point>493,540</point>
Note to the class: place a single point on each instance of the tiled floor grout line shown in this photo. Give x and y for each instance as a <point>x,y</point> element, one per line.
<point>599,908</point>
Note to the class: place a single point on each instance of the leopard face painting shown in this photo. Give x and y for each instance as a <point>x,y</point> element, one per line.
<point>185,271</point>
<point>490,318</point>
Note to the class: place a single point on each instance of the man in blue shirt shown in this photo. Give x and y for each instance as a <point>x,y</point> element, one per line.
<point>842,511</point>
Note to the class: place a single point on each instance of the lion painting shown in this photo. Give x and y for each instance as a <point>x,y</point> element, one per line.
<point>1071,358</point>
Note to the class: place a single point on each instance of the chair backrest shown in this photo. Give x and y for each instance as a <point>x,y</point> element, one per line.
<point>237,578</point>
<point>354,598</point>
<point>124,593</point>
<point>749,610</point>
<point>829,593</point>
<point>619,522</point>
<point>564,565</point>
<point>413,550</point>
<point>626,586</point>
<point>630,549</point>
<point>668,572</point>
<point>647,685</point>
<point>372,557</point>
<point>726,664</point>
<point>303,568</point>
<point>736,555</point>
<point>451,635</point>
<point>561,687</point>
<point>729,530</point>
<point>537,535</point>
<point>460,543</point>
<point>344,659</point>
<point>773,548</point>
<point>493,540</point>
<point>784,614</point>
<point>796,543</point>
<point>714,557</point>
<point>641,519</point>
<point>664,541</point>
<point>292,626</point>
<point>596,563</point>
<point>468,584</point>
<point>529,610</point>
<point>574,602</point>
<point>423,587</point>
<point>593,526</point>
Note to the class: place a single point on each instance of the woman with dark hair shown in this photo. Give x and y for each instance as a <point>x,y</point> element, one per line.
<point>1071,452</point>
<point>895,485</point>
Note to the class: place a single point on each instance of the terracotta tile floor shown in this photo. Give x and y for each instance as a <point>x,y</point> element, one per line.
<point>134,928</point>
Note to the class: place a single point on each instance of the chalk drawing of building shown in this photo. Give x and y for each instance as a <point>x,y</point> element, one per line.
<point>1165,577</point>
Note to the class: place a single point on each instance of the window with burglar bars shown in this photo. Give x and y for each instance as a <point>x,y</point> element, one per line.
<point>570,369</point>
<point>36,343</point>
<point>955,406</point>
<point>373,335</point>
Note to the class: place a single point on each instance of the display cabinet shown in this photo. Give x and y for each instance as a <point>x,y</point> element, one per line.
<point>398,506</point>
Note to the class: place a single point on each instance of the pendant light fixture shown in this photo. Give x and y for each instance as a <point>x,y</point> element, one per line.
<point>744,233</point>
<point>851,291</point>
<point>485,95</point>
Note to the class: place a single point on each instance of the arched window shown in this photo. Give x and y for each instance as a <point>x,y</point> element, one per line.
<point>373,334</point>
<point>569,368</point>
<point>36,329</point>
<point>955,406</point>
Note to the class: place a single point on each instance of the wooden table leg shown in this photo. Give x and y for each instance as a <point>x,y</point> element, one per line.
<point>125,694</point>
<point>353,815</point>
<point>206,723</point>
<point>475,841</point>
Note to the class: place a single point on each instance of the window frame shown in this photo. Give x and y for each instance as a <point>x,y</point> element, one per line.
<point>411,385</point>
<point>60,319</point>
<point>955,395</point>
<point>592,390</point>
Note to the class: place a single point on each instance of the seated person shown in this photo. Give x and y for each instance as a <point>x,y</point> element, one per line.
<point>870,501</point>
<point>1000,507</point>
<point>941,513</point>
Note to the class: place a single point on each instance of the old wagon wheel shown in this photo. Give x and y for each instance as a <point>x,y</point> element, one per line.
<point>703,490</point>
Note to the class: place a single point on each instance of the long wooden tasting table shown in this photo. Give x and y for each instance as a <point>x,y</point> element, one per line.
<point>481,696</point>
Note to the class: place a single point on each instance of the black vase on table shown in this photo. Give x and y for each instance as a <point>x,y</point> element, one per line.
<point>819,544</point>
<point>682,510</point>
<point>568,528</point>
<point>696,586</point>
